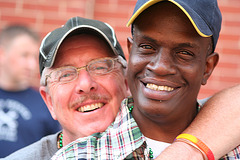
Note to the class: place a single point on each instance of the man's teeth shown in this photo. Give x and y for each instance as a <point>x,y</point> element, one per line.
<point>159,88</point>
<point>90,107</point>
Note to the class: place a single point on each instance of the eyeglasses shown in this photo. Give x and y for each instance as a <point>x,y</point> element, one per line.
<point>95,67</point>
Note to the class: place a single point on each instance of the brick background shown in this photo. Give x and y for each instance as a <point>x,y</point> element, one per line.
<point>46,15</point>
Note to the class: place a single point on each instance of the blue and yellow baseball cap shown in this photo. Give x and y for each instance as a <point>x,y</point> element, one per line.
<point>204,15</point>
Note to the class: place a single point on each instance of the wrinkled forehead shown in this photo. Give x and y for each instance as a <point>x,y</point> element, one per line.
<point>85,41</point>
<point>83,46</point>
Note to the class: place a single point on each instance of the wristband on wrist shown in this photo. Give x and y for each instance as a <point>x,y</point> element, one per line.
<point>203,147</point>
<point>193,145</point>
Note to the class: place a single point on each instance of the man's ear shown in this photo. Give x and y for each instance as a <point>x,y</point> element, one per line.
<point>129,44</point>
<point>128,93</point>
<point>211,63</point>
<point>48,100</point>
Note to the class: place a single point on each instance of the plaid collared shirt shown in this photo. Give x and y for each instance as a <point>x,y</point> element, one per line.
<point>233,155</point>
<point>122,140</point>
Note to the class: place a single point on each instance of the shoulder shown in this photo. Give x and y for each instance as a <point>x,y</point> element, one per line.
<point>42,149</point>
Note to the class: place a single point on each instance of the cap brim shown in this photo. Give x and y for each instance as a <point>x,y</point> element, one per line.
<point>198,23</point>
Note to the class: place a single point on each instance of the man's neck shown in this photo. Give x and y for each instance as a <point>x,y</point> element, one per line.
<point>7,85</point>
<point>163,129</point>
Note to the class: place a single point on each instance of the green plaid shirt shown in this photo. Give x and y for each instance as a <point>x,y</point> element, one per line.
<point>122,140</point>
<point>233,155</point>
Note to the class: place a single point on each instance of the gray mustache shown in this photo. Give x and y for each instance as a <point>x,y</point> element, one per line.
<point>84,98</point>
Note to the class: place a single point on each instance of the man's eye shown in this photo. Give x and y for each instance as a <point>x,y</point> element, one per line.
<point>185,55</point>
<point>66,76</point>
<point>100,68</point>
<point>146,47</point>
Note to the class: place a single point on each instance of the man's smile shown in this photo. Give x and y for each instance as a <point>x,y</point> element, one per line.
<point>159,88</point>
<point>156,90</point>
<point>91,107</point>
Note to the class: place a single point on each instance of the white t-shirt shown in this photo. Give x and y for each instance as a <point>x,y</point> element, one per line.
<point>156,146</point>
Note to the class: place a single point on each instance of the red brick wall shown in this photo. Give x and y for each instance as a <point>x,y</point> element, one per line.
<point>227,72</point>
<point>45,15</point>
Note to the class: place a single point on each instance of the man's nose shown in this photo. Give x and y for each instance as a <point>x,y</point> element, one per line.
<point>163,63</point>
<point>85,83</point>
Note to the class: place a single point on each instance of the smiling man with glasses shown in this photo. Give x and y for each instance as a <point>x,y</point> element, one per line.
<point>83,82</point>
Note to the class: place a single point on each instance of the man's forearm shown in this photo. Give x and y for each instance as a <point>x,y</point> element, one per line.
<point>217,125</point>
<point>180,151</point>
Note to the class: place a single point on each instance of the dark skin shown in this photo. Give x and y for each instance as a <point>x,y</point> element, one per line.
<point>168,63</point>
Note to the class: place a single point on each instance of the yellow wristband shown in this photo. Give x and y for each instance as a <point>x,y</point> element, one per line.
<point>193,145</point>
<point>198,143</point>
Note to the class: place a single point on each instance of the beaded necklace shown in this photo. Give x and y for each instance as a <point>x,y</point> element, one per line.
<point>130,108</point>
<point>150,149</point>
<point>59,140</point>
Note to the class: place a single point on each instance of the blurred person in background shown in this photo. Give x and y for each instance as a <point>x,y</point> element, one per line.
<point>24,118</point>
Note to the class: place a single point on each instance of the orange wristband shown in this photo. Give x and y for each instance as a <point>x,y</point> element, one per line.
<point>198,143</point>
<point>193,145</point>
